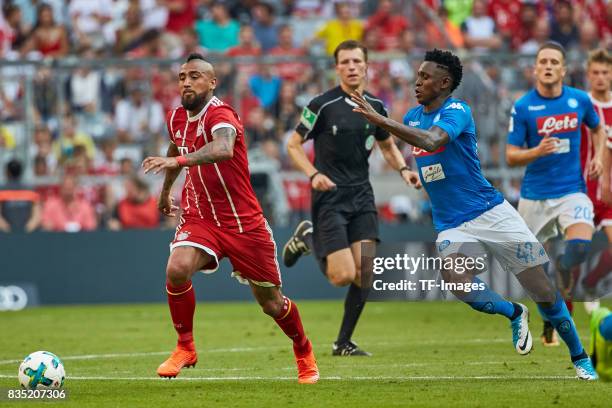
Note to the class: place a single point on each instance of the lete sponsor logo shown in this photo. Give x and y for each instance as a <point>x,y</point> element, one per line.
<point>12,298</point>
<point>563,123</point>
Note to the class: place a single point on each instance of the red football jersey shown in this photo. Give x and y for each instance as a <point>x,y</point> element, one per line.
<point>587,149</point>
<point>219,193</point>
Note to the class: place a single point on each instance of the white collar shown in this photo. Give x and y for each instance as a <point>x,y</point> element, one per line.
<point>600,104</point>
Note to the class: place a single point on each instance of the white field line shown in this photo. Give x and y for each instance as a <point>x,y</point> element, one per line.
<point>152,353</point>
<point>333,378</point>
<point>270,348</point>
<point>254,349</point>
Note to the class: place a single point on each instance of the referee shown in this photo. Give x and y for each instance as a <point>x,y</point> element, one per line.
<point>343,210</point>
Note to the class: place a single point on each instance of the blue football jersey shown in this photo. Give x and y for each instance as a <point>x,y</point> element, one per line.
<point>451,175</point>
<point>534,117</point>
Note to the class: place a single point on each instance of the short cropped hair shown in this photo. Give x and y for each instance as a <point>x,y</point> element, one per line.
<point>552,45</point>
<point>194,56</point>
<point>448,61</point>
<point>600,55</point>
<point>350,45</point>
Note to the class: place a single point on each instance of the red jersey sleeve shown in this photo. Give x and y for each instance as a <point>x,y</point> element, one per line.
<point>224,116</point>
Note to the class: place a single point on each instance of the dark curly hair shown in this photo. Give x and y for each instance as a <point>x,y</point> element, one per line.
<point>448,61</point>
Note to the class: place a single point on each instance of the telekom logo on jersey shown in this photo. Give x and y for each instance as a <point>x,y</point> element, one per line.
<point>550,125</point>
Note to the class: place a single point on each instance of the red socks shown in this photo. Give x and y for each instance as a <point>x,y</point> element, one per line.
<point>602,269</point>
<point>181,300</point>
<point>290,322</point>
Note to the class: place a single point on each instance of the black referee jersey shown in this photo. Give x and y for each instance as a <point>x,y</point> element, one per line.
<point>343,139</point>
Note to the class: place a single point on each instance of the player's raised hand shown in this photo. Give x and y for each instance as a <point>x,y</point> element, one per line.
<point>157,164</point>
<point>548,145</point>
<point>366,109</point>
<point>412,179</point>
<point>166,205</point>
<point>321,182</point>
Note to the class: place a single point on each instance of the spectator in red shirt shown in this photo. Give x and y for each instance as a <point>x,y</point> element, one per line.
<point>181,14</point>
<point>138,209</point>
<point>48,37</point>
<point>67,212</point>
<point>527,22</point>
<point>289,70</point>
<point>606,27</point>
<point>389,25</point>
<point>506,14</point>
<point>247,47</point>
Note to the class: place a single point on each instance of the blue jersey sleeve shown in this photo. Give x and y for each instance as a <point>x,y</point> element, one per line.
<point>591,118</point>
<point>454,118</point>
<point>517,128</point>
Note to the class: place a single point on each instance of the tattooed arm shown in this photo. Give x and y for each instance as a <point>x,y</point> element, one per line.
<point>220,149</point>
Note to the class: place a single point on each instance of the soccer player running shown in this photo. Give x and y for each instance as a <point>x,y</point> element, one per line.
<point>468,212</point>
<point>220,217</point>
<point>343,211</point>
<point>599,76</point>
<point>544,135</point>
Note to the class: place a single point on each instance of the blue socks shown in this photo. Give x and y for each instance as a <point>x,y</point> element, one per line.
<point>487,301</point>
<point>561,320</point>
<point>576,251</point>
<point>605,327</point>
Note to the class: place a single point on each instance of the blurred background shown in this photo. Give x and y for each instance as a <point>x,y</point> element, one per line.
<point>85,85</point>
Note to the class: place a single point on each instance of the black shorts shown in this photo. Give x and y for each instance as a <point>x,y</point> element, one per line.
<point>342,217</point>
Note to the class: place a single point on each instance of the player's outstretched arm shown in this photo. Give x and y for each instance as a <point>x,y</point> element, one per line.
<point>220,149</point>
<point>318,181</point>
<point>429,140</point>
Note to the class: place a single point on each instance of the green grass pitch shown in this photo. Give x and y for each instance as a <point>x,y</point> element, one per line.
<point>425,354</point>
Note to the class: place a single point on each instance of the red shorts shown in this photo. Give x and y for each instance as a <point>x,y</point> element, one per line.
<point>251,253</point>
<point>602,211</point>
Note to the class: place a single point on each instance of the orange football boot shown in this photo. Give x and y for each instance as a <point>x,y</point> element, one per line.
<point>308,372</point>
<point>179,358</point>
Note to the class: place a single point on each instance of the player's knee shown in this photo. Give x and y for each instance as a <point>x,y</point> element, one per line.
<point>178,272</point>
<point>272,307</point>
<point>340,278</point>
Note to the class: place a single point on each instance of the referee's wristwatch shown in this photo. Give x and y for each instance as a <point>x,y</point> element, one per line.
<point>405,168</point>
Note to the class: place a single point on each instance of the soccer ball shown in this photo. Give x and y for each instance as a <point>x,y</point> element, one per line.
<point>41,370</point>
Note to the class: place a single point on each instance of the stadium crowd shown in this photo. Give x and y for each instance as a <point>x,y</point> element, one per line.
<point>103,75</point>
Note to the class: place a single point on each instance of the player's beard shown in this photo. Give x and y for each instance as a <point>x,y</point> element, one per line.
<point>193,103</point>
